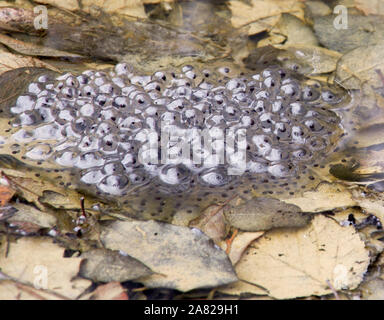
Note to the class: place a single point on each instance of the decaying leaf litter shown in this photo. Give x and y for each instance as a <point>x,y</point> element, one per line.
<point>321,242</point>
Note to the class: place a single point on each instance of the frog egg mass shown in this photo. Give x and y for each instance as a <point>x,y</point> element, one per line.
<point>159,142</point>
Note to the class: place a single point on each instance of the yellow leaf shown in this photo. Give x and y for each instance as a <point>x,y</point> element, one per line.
<point>304,262</point>
<point>244,14</point>
<point>134,8</point>
<point>70,5</point>
<point>40,262</point>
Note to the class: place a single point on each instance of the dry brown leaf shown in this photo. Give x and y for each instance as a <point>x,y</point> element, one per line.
<point>273,39</point>
<point>239,244</point>
<point>42,192</point>
<point>370,6</point>
<point>13,290</point>
<point>241,288</point>
<point>29,259</point>
<point>184,217</point>
<point>182,258</point>
<point>29,214</point>
<point>352,70</point>
<point>31,49</point>
<point>109,291</point>
<point>133,8</point>
<point>6,193</point>
<point>212,223</point>
<point>260,214</point>
<point>316,8</point>
<point>300,263</point>
<point>247,14</point>
<point>18,3</point>
<point>9,61</point>
<point>103,265</point>
<point>320,59</point>
<point>265,24</point>
<point>361,31</point>
<point>71,5</point>
<point>372,203</point>
<point>295,31</point>
<point>156,1</point>
<point>325,197</point>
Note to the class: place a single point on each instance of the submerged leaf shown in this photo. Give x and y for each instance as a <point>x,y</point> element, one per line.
<point>39,261</point>
<point>244,14</point>
<point>28,214</point>
<point>295,31</point>
<point>239,244</point>
<point>103,265</point>
<point>182,258</point>
<point>264,214</point>
<point>34,49</point>
<point>10,61</point>
<point>370,6</point>
<point>361,31</point>
<point>132,8</point>
<point>352,71</point>
<point>306,262</point>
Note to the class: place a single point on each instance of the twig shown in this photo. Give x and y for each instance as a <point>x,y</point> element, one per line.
<point>10,180</point>
<point>333,289</point>
<point>229,241</point>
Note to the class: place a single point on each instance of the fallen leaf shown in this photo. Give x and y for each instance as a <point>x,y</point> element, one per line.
<point>156,1</point>
<point>361,31</point>
<point>259,214</point>
<point>264,24</point>
<point>241,288</point>
<point>185,216</point>
<point>295,31</point>
<point>29,214</point>
<point>372,203</point>
<point>239,244</point>
<point>9,61</point>
<point>133,8</point>
<point>39,261</point>
<point>300,263</point>
<point>370,6</point>
<point>182,258</point>
<point>273,39</point>
<point>13,290</point>
<point>6,193</point>
<point>42,192</point>
<point>352,70</point>
<point>326,197</point>
<point>71,5</point>
<point>315,9</point>
<point>109,291</point>
<point>212,223</point>
<point>103,265</point>
<point>31,49</point>
<point>247,14</point>
<point>320,59</point>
